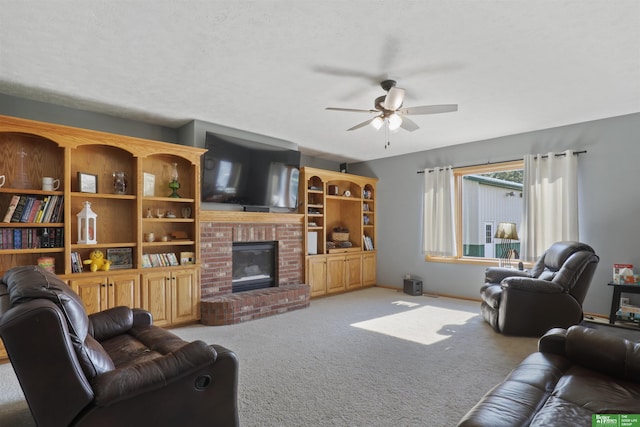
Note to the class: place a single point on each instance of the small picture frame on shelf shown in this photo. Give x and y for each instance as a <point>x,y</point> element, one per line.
<point>120,258</point>
<point>87,183</point>
<point>187,258</point>
<point>149,185</point>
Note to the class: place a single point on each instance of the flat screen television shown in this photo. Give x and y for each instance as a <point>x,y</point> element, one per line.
<point>248,173</point>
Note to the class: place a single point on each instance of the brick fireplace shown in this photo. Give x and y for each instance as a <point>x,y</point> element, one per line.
<point>218,231</point>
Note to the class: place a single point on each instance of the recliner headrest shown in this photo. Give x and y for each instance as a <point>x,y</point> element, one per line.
<point>30,282</point>
<point>559,252</point>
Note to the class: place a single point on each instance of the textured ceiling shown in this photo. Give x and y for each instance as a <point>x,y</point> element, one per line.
<point>271,67</point>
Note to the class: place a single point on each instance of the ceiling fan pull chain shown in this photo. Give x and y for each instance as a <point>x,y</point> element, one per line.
<point>386,135</point>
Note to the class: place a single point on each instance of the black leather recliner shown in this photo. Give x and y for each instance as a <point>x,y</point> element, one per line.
<point>550,295</point>
<point>113,368</point>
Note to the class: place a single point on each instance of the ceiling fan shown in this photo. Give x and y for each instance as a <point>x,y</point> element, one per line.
<point>389,107</point>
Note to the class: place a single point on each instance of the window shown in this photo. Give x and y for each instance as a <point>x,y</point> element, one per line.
<point>486,195</point>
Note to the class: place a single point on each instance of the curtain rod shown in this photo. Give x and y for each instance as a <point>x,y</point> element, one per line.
<point>507,161</point>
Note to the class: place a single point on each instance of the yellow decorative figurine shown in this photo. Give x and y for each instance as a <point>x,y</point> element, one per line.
<point>97,261</point>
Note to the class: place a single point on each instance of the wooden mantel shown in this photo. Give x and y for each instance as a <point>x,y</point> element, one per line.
<point>250,217</point>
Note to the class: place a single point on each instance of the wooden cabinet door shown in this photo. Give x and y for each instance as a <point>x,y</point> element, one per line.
<point>368,269</point>
<point>92,291</point>
<point>336,273</point>
<point>123,290</point>
<point>184,296</point>
<point>353,270</point>
<point>156,296</point>
<point>317,275</point>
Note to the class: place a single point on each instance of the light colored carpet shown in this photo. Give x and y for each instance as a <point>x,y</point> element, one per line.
<point>375,357</point>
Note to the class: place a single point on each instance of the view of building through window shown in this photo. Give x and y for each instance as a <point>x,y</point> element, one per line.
<point>489,198</point>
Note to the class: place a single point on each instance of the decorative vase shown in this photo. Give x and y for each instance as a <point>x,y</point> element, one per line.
<point>119,183</point>
<point>21,179</point>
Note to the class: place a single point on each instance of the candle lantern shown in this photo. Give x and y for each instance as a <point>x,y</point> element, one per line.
<point>174,185</point>
<point>87,225</point>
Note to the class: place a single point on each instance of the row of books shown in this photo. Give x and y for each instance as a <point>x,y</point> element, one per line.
<point>76,263</point>
<point>368,243</point>
<point>159,260</point>
<point>35,209</point>
<point>31,238</point>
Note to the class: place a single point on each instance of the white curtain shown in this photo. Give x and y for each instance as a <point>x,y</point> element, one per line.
<point>550,205</point>
<point>439,212</point>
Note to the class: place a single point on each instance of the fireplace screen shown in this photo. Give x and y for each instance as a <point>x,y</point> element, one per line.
<point>253,265</point>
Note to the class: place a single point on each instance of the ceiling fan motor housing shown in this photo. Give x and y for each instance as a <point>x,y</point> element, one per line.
<point>387,84</point>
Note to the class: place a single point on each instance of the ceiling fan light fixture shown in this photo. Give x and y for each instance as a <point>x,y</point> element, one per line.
<point>377,122</point>
<point>394,121</point>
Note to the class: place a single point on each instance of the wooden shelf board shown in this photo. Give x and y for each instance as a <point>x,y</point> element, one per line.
<point>31,251</point>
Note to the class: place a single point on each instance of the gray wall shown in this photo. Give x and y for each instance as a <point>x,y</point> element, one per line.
<point>192,133</point>
<point>609,202</point>
<point>42,111</point>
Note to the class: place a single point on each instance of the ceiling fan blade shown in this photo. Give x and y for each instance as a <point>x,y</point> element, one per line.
<point>361,125</point>
<point>347,72</point>
<point>409,125</point>
<point>394,99</point>
<point>430,109</point>
<point>353,110</point>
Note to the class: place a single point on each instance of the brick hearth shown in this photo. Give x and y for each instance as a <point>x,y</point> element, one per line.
<point>218,231</point>
<point>240,307</point>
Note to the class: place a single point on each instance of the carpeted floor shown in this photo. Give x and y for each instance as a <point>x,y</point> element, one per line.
<point>375,357</point>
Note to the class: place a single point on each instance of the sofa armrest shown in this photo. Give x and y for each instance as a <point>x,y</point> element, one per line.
<point>141,317</point>
<point>117,320</point>
<point>133,380</point>
<point>553,341</point>
<point>111,322</point>
<point>596,350</point>
<point>528,284</point>
<point>498,274</point>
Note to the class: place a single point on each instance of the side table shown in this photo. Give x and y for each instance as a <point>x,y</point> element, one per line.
<point>615,300</point>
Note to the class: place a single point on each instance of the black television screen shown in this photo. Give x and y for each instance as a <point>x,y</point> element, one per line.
<point>249,173</point>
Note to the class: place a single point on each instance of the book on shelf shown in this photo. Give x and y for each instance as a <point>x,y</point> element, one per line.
<point>159,260</point>
<point>11,209</point>
<point>17,238</point>
<point>33,211</point>
<point>17,213</point>
<point>40,212</point>
<point>146,261</point>
<point>54,212</point>
<point>26,211</point>
<point>367,242</point>
<point>76,263</point>
<point>173,259</point>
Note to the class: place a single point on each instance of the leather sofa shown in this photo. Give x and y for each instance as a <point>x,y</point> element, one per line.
<point>112,368</point>
<point>550,295</point>
<point>576,373</point>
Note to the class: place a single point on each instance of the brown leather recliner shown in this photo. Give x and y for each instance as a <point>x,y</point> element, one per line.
<point>112,368</point>
<point>550,295</point>
<point>576,373</point>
